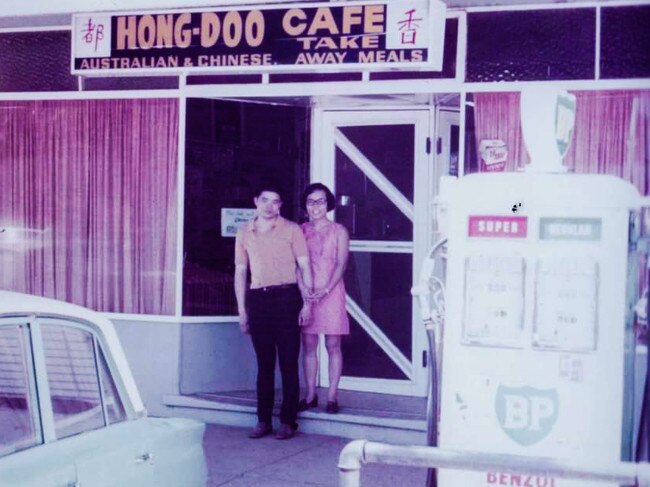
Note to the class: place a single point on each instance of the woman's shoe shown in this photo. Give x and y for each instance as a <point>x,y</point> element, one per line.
<point>303,405</point>
<point>332,407</point>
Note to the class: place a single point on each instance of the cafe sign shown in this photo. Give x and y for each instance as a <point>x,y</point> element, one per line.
<point>301,37</point>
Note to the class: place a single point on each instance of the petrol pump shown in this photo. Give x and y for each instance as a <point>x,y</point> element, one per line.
<point>537,343</point>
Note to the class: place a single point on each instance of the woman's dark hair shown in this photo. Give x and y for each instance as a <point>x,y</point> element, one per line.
<point>331,201</point>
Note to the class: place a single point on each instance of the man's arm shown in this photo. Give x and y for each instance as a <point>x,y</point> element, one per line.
<point>306,284</point>
<point>305,273</point>
<point>240,294</point>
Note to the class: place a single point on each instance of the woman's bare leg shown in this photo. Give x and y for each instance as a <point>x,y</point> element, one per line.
<point>333,344</point>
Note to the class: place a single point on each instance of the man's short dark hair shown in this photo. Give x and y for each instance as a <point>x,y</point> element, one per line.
<point>331,201</point>
<point>268,186</point>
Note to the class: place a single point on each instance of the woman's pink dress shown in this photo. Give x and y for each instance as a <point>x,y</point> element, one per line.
<point>328,315</point>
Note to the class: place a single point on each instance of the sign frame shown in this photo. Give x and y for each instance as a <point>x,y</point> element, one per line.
<point>433,22</point>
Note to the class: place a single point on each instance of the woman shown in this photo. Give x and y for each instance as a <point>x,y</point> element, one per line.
<point>328,246</point>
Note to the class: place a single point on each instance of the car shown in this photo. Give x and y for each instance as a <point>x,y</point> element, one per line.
<point>70,412</point>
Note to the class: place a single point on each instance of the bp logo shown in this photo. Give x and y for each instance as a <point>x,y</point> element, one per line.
<point>527,415</point>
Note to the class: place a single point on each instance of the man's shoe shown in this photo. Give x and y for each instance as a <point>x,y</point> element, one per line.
<point>303,405</point>
<point>285,432</point>
<point>262,429</point>
<point>332,407</point>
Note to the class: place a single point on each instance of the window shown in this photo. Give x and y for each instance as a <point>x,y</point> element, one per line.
<point>36,61</point>
<point>73,379</point>
<point>531,45</point>
<point>230,148</point>
<point>115,412</point>
<point>88,202</point>
<point>624,42</point>
<point>19,418</point>
<point>609,135</point>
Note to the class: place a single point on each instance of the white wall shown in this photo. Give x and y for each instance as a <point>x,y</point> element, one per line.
<point>152,350</point>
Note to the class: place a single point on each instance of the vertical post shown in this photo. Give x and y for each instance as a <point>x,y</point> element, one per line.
<point>432,401</point>
<point>349,478</point>
<point>350,463</point>
<point>180,202</point>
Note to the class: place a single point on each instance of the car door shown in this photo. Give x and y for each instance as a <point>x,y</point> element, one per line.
<point>25,459</point>
<point>88,417</point>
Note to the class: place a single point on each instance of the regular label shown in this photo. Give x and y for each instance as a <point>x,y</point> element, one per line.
<point>570,229</point>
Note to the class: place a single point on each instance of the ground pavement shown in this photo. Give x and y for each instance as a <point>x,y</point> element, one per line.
<point>234,460</point>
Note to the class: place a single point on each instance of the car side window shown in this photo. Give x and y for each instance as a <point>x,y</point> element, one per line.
<point>19,418</point>
<point>115,411</point>
<point>73,379</point>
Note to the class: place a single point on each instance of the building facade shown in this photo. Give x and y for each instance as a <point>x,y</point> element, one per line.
<point>121,191</point>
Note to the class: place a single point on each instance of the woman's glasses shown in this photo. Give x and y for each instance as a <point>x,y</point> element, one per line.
<point>318,202</point>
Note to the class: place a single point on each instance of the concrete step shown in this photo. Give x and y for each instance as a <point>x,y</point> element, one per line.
<point>363,416</point>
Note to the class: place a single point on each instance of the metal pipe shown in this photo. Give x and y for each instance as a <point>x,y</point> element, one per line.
<point>421,291</point>
<point>359,452</point>
<point>432,402</point>
<point>350,461</point>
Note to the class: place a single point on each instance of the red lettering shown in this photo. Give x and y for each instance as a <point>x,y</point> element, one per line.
<point>503,479</point>
<point>491,478</point>
<point>528,483</point>
<point>515,480</point>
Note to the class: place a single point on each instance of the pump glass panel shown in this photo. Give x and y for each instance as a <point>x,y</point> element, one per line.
<point>494,300</point>
<point>566,294</point>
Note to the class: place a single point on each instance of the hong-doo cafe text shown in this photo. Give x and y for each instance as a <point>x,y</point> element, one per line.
<point>131,144</point>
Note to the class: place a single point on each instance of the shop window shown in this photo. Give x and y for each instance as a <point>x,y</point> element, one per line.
<point>88,202</point>
<point>531,45</point>
<point>19,417</point>
<point>625,42</point>
<point>231,148</point>
<point>609,137</point>
<point>36,61</point>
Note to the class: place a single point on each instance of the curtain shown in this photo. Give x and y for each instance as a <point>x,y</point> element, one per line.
<point>88,202</point>
<point>611,134</point>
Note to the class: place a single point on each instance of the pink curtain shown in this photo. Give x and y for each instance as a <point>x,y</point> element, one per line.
<point>611,135</point>
<point>88,202</point>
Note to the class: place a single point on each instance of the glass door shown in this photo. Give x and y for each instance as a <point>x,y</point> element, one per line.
<point>376,162</point>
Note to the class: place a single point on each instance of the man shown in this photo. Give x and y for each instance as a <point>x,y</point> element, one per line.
<point>272,310</point>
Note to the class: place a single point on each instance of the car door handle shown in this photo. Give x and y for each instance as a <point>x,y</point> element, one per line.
<point>144,458</point>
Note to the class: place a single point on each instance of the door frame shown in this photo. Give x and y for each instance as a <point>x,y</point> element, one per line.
<point>322,169</point>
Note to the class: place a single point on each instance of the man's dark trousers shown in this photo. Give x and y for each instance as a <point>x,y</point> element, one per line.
<point>273,318</point>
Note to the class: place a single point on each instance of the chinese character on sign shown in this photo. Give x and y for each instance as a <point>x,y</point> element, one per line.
<point>409,27</point>
<point>93,33</point>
